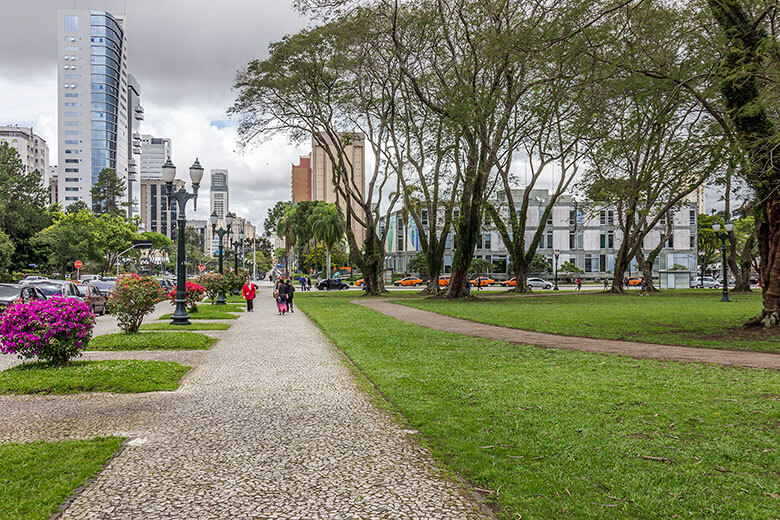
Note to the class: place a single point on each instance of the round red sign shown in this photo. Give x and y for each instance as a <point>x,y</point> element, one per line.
<point>201,268</point>
<point>78,264</point>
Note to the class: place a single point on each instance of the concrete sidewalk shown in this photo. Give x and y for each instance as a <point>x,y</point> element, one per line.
<point>271,425</point>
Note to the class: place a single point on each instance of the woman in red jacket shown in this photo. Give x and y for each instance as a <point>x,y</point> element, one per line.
<point>249,291</point>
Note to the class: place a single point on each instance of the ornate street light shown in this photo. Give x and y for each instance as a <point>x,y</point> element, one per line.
<point>181,196</point>
<point>723,236</point>
<point>236,245</point>
<point>557,254</point>
<point>221,232</point>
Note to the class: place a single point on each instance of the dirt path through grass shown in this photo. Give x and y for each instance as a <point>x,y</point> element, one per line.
<point>437,321</point>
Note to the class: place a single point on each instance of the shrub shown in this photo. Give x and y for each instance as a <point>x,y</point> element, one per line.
<point>235,281</point>
<point>212,283</point>
<point>53,330</point>
<point>193,293</point>
<point>133,298</point>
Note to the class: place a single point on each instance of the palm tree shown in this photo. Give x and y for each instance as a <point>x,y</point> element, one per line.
<point>284,228</point>
<point>326,225</point>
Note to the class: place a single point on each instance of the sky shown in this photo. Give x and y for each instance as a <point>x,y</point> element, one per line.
<point>184,54</point>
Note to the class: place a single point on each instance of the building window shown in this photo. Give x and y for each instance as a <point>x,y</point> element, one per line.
<point>71,198</point>
<point>72,161</point>
<point>589,263</point>
<point>71,179</point>
<point>71,170</point>
<point>71,94</point>
<point>71,189</point>
<point>71,123</point>
<point>610,218</point>
<point>424,218</point>
<point>549,239</point>
<point>71,23</point>
<point>670,242</point>
<point>486,241</point>
<point>693,241</point>
<point>603,217</point>
<point>572,240</point>
<point>693,217</point>
<point>572,216</point>
<point>581,240</point>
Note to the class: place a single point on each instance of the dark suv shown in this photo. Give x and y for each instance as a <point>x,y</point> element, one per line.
<point>11,293</point>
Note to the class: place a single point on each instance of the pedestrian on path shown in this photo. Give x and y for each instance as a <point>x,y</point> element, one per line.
<point>280,295</point>
<point>606,284</point>
<point>249,291</point>
<point>579,284</point>
<point>645,289</point>
<point>290,295</point>
<point>308,283</point>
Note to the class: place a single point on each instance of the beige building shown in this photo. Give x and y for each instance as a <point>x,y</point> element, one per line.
<point>699,197</point>
<point>301,180</point>
<point>155,213</point>
<point>32,148</point>
<point>322,187</point>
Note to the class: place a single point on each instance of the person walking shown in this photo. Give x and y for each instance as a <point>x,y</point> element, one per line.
<point>280,295</point>
<point>249,291</point>
<point>308,283</point>
<point>290,295</point>
<point>645,290</point>
<point>606,284</point>
<point>579,283</point>
<point>302,281</point>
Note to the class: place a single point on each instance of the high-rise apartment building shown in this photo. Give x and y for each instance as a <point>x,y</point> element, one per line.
<point>301,180</point>
<point>154,152</point>
<point>135,114</point>
<point>92,90</point>
<point>322,187</point>
<point>52,179</point>
<point>220,203</point>
<point>699,197</point>
<point>32,148</point>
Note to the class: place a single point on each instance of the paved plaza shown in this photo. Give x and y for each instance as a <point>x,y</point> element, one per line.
<point>269,424</point>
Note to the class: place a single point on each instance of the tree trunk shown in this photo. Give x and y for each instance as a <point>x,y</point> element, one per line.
<point>328,262</point>
<point>371,261</point>
<point>647,271</point>
<point>521,274</point>
<point>621,264</point>
<point>769,250</point>
<point>434,262</point>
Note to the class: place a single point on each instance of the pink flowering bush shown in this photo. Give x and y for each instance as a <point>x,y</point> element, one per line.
<point>53,330</point>
<point>193,294</point>
<point>133,298</point>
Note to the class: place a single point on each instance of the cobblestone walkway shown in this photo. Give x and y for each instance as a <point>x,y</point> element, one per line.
<point>433,320</point>
<point>271,426</point>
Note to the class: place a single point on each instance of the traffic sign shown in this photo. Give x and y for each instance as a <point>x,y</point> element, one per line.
<point>201,268</point>
<point>78,264</point>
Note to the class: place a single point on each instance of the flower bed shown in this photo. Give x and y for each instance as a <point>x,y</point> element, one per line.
<point>53,330</point>
<point>193,294</point>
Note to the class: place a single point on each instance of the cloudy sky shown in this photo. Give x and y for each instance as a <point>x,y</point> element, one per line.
<point>184,53</point>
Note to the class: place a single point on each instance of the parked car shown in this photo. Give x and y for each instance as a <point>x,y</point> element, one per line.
<point>58,288</point>
<point>360,282</point>
<point>707,282</point>
<point>409,281</point>
<point>538,283</point>
<point>482,281</point>
<point>105,286</point>
<point>509,283</point>
<point>33,278</point>
<point>635,280</point>
<point>444,280</point>
<point>90,277</point>
<point>331,284</point>
<point>94,297</point>
<point>11,293</point>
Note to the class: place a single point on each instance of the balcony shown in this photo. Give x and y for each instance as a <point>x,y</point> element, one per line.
<point>136,143</point>
<point>132,162</point>
<point>131,168</point>
<point>136,151</point>
<point>136,135</point>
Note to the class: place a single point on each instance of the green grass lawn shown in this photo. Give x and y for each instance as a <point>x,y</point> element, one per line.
<point>565,434</point>
<point>152,341</point>
<point>206,312</point>
<point>37,477</point>
<point>120,376</point>
<point>204,325</point>
<point>695,318</point>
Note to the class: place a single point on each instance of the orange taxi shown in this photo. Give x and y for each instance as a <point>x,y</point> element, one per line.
<point>635,280</point>
<point>409,281</point>
<point>509,283</point>
<point>359,282</point>
<point>444,280</point>
<point>482,281</point>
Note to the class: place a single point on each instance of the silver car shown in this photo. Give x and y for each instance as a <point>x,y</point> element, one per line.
<point>706,282</point>
<point>538,283</point>
<point>59,288</point>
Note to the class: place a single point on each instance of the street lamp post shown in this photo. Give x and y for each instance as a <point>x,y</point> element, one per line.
<point>220,232</point>
<point>557,255</point>
<point>181,196</point>
<point>236,245</point>
<point>723,236</point>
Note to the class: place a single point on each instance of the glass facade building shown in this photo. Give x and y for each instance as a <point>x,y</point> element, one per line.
<point>106,58</point>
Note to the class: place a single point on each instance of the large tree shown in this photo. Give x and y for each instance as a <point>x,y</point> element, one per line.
<point>108,193</point>
<point>326,226</point>
<point>72,236</point>
<point>23,210</point>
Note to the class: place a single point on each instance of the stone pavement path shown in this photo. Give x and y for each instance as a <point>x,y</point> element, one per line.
<point>271,425</point>
<point>433,320</point>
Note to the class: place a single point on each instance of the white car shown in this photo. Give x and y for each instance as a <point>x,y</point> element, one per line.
<point>538,283</point>
<point>707,282</point>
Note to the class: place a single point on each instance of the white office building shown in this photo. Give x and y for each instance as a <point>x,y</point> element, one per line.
<point>154,152</point>
<point>92,90</point>
<point>135,114</point>
<point>32,148</point>
<point>220,204</point>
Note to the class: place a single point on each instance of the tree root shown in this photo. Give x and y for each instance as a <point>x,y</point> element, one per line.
<point>767,320</point>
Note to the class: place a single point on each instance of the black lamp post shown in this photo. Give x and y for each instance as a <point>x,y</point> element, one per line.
<point>723,236</point>
<point>181,196</point>
<point>557,255</point>
<point>220,232</point>
<point>236,245</point>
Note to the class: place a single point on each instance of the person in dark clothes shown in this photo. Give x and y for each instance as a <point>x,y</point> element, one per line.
<point>290,295</point>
